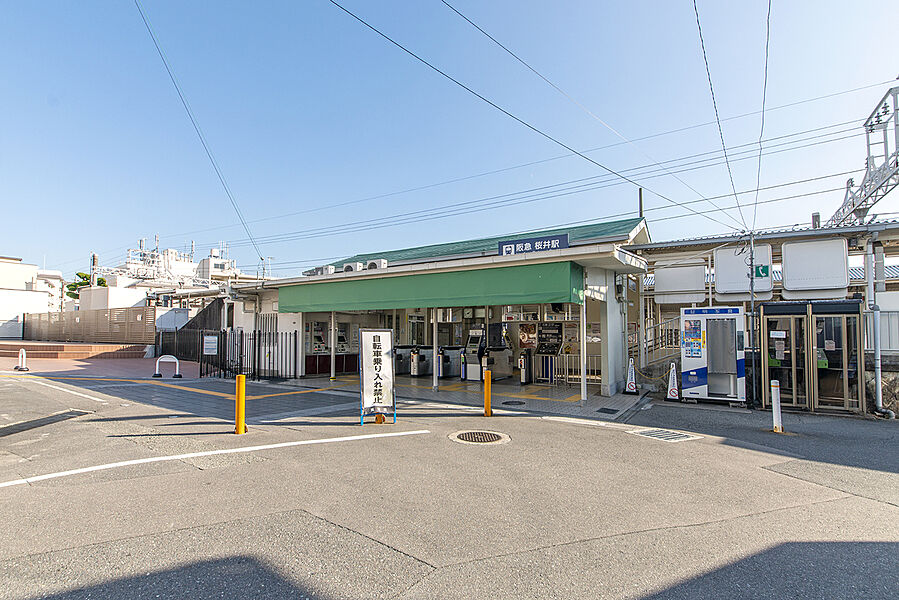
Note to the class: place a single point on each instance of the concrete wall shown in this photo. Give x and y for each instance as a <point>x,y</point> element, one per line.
<point>97,298</point>
<point>14,304</point>
<point>171,319</point>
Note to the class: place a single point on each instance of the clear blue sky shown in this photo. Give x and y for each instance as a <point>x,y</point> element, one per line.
<point>305,108</point>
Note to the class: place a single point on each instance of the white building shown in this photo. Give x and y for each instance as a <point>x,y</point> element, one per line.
<point>24,288</point>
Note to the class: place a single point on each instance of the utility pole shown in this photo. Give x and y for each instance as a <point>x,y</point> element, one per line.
<point>752,320</point>
<point>640,202</point>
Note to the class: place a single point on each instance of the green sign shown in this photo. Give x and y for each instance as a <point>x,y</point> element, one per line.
<point>761,271</point>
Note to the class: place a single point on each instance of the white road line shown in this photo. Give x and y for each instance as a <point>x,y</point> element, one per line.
<point>141,461</point>
<point>62,389</point>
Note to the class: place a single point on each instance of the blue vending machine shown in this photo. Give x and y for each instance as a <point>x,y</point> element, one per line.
<point>713,356</point>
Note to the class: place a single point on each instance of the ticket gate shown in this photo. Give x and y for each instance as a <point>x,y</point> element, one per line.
<point>422,359</point>
<point>525,367</point>
<point>403,361</point>
<point>813,349</point>
<point>449,361</point>
<point>498,360</point>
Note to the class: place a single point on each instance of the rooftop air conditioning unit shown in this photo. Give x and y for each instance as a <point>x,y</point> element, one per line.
<point>353,266</point>
<point>378,263</point>
<point>327,270</point>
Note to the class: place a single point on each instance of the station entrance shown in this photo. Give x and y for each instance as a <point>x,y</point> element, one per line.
<point>815,351</point>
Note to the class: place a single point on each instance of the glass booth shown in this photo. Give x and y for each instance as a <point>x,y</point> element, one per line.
<point>815,350</point>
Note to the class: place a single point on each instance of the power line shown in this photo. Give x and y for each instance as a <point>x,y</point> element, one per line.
<point>507,113</point>
<point>541,161</point>
<point>578,104</point>
<point>193,122</point>
<point>606,181</point>
<point>452,210</point>
<point>316,262</point>
<point>628,170</point>
<point>457,208</point>
<point>708,71</point>
<point>758,175</point>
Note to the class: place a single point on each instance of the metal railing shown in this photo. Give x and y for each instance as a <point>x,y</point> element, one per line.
<point>566,369</point>
<point>136,325</point>
<point>256,354</point>
<point>889,330</point>
<point>661,341</point>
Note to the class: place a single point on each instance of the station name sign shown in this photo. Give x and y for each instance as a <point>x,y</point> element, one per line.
<point>535,244</point>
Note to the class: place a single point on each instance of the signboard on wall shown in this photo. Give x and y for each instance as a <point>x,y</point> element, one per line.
<point>377,392</point>
<point>210,345</point>
<point>535,244</point>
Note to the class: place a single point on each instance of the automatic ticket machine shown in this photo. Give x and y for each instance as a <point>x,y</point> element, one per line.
<point>472,354</point>
<point>713,364</point>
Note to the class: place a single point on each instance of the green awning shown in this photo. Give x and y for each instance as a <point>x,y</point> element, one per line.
<point>525,284</point>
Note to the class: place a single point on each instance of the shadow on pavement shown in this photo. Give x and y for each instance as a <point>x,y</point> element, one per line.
<point>837,440</point>
<point>233,577</point>
<point>800,570</point>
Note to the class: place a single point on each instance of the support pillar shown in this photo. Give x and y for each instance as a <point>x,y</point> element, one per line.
<point>434,379</point>
<point>583,343</point>
<point>333,345</point>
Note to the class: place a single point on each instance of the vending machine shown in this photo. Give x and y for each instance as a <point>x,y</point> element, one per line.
<point>713,363</point>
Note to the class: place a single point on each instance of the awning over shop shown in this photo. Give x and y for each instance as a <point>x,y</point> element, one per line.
<point>525,284</point>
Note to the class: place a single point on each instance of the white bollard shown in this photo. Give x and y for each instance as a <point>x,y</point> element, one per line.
<point>22,366</point>
<point>775,406</point>
<point>168,358</point>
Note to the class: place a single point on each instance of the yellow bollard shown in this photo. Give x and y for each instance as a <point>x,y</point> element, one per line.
<point>488,383</point>
<point>240,425</point>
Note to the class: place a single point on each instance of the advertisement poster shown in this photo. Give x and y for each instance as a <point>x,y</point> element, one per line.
<point>569,333</point>
<point>527,335</point>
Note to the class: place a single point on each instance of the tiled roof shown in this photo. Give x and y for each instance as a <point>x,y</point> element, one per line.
<point>482,246</point>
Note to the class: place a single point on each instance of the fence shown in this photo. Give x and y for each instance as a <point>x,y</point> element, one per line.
<point>662,341</point>
<point>135,325</point>
<point>256,354</point>
<point>566,369</point>
<point>889,330</point>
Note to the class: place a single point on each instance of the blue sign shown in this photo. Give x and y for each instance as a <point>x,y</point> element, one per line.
<point>711,311</point>
<point>535,244</point>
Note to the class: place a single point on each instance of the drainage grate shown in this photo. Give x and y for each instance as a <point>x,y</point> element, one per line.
<point>608,411</point>
<point>513,403</point>
<point>666,435</point>
<point>35,423</point>
<point>480,437</point>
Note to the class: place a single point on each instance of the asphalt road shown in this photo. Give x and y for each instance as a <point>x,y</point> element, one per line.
<point>566,509</point>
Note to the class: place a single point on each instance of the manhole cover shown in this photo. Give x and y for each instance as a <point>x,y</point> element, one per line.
<point>513,402</point>
<point>666,435</point>
<point>480,437</point>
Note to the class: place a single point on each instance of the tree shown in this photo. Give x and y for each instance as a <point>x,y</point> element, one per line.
<point>83,280</point>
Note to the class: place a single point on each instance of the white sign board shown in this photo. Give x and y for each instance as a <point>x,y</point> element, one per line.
<point>817,269</point>
<point>732,271</point>
<point>376,349</point>
<point>210,345</point>
<point>679,284</point>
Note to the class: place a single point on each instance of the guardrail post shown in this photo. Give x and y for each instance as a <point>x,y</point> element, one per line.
<point>488,384</point>
<point>775,406</point>
<point>240,425</point>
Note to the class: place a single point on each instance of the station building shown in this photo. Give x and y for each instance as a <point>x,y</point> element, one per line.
<point>556,301</point>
